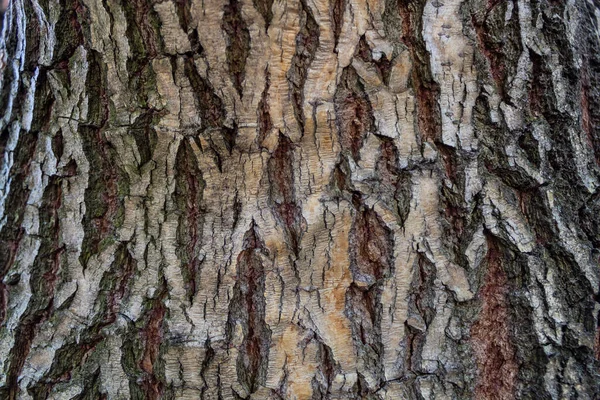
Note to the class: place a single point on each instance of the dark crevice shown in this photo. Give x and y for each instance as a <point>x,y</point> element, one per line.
<point>490,334</point>
<point>206,362</point>
<point>499,41</point>
<point>68,30</point>
<point>422,311</point>
<point>263,113</point>
<point>143,29</point>
<point>238,46</point>
<point>145,43</point>
<point>307,42</point>
<point>264,7</point>
<point>395,185</point>
<point>371,261</point>
<point>354,115</point>
<point>427,90</point>
<point>283,199</point>
<point>108,184</point>
<point>337,17</point>
<point>184,14</point>
<point>12,232</point>
<point>43,279</point>
<point>152,332</point>
<point>212,110</point>
<point>144,344</point>
<point>372,248</point>
<point>229,136</point>
<point>145,135</point>
<point>383,66</point>
<point>91,387</point>
<point>321,382</point>
<point>188,199</point>
<point>590,81</point>
<point>247,309</point>
<point>114,287</point>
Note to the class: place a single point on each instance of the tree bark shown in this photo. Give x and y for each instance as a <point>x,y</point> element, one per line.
<point>300,199</point>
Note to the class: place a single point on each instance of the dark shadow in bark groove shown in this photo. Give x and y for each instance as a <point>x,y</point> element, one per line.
<point>143,344</point>
<point>282,196</point>
<point>427,90</point>
<point>212,112</point>
<point>491,333</point>
<point>152,333</point>
<point>238,47</point>
<point>71,356</point>
<point>144,134</point>
<point>371,259</point>
<point>12,232</point>
<point>208,358</point>
<point>321,382</point>
<point>108,184</point>
<point>188,199</point>
<point>264,7</point>
<point>307,42</point>
<point>42,281</point>
<point>247,309</point>
<point>499,41</point>
<point>422,311</point>
<point>337,18</point>
<point>395,185</point>
<point>383,66</point>
<point>354,115</point>
<point>263,113</point>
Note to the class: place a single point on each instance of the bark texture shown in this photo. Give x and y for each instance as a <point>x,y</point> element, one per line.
<point>299,199</point>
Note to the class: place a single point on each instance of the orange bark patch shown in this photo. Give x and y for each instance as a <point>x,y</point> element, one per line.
<point>490,335</point>
<point>153,334</point>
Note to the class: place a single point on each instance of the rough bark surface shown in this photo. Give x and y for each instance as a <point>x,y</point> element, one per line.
<point>299,199</point>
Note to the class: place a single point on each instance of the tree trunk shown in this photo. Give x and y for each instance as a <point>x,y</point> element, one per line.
<point>299,199</point>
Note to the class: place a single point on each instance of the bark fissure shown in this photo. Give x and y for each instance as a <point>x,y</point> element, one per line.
<point>239,43</point>
<point>307,42</point>
<point>247,312</point>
